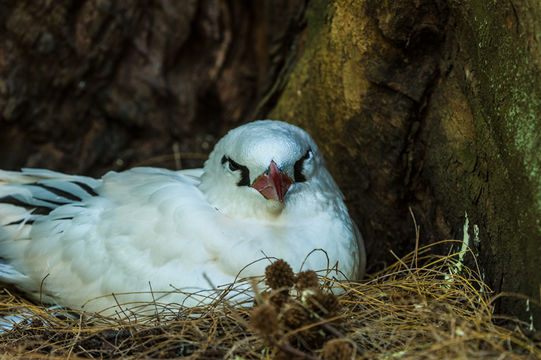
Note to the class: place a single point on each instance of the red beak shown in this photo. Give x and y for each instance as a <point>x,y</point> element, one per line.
<point>273,184</point>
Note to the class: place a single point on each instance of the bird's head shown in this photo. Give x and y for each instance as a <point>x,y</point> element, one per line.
<point>256,169</point>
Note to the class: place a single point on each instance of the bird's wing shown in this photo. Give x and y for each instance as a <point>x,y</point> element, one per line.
<point>137,230</point>
<point>28,197</point>
<point>32,194</point>
<point>193,173</point>
<point>111,234</point>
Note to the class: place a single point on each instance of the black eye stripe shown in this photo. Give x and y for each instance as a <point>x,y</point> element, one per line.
<point>235,166</point>
<point>297,168</point>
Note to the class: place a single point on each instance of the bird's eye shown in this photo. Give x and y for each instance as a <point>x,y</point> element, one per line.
<point>233,166</point>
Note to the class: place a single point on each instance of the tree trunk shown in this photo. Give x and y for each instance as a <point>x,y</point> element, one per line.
<point>431,105</point>
<point>484,131</point>
<point>435,106</point>
<point>361,86</point>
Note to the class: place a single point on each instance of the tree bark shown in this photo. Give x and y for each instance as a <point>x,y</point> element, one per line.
<point>361,86</point>
<point>484,134</point>
<point>431,105</point>
<point>89,86</point>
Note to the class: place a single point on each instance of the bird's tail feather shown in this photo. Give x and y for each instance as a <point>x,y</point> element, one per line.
<point>29,196</point>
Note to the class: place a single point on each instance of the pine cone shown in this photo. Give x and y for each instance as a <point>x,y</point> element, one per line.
<point>264,320</point>
<point>276,298</point>
<point>294,316</point>
<point>313,337</point>
<point>279,275</point>
<point>306,280</point>
<point>321,302</point>
<point>337,349</point>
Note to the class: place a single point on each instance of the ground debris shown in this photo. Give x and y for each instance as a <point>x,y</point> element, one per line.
<point>408,312</point>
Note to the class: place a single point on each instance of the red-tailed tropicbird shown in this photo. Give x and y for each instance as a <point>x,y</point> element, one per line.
<point>144,232</point>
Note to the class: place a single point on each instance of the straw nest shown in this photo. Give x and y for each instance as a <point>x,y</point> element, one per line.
<point>424,306</point>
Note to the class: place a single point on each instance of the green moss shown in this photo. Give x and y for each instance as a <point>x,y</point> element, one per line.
<point>509,87</point>
<point>500,56</point>
<point>326,84</point>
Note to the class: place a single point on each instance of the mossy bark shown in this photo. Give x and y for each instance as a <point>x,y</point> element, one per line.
<point>433,106</point>
<point>484,158</point>
<point>359,87</point>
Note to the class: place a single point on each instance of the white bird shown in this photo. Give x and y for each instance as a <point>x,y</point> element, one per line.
<point>142,233</point>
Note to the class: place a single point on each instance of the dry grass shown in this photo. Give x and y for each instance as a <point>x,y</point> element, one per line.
<point>407,311</point>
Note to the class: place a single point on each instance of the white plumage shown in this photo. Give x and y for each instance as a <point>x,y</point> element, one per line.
<point>264,191</point>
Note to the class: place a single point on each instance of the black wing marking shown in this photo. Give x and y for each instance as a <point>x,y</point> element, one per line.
<point>58,192</point>
<point>86,188</point>
<point>18,222</point>
<point>45,196</point>
<point>38,209</point>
